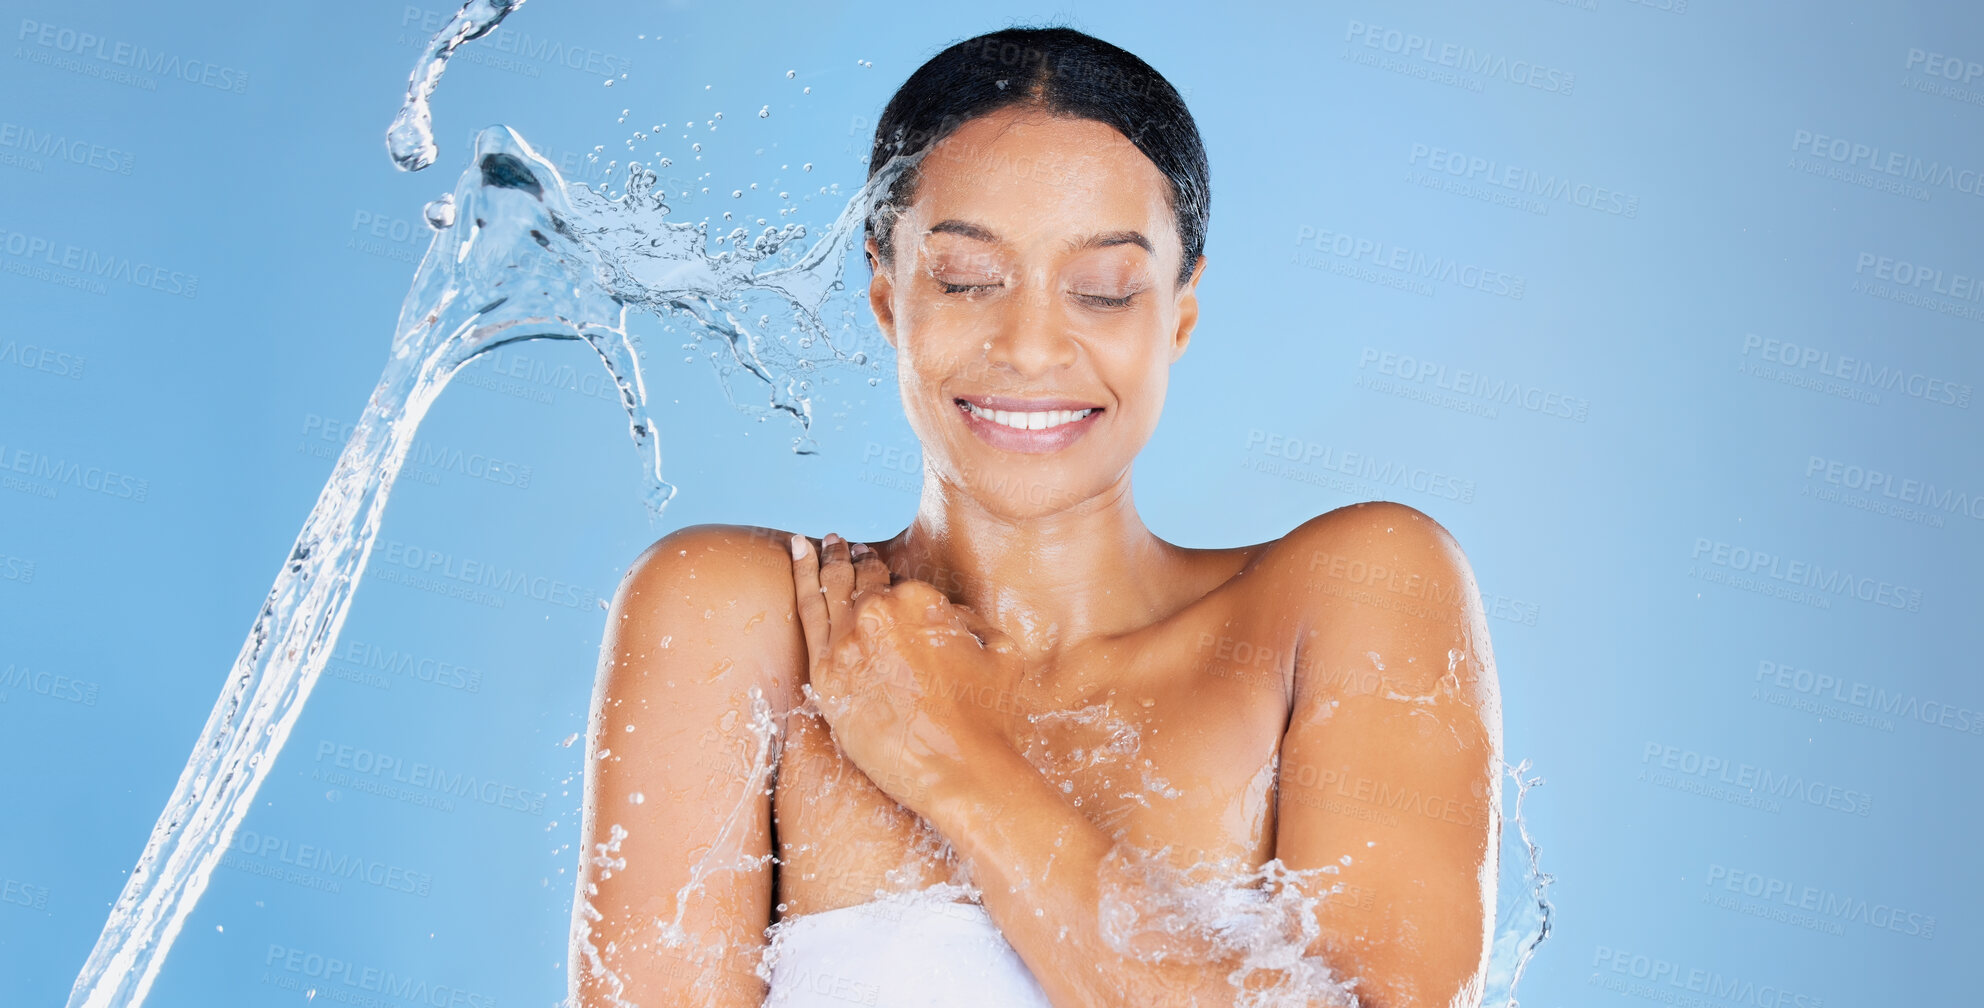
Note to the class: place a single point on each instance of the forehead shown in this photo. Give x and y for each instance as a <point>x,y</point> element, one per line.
<point>1029,176</point>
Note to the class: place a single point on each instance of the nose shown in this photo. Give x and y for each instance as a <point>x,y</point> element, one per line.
<point>1031,336</point>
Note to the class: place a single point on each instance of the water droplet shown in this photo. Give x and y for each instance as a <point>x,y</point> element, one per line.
<point>765,113</point>
<point>637,798</point>
<point>441,212</point>
<point>789,74</point>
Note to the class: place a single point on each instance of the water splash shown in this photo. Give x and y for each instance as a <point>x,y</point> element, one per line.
<point>1102,750</point>
<point>1262,921</point>
<point>1522,916</point>
<point>527,256</point>
<point>411,139</point>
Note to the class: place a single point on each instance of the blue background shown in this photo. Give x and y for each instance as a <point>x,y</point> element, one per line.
<point>1605,543</point>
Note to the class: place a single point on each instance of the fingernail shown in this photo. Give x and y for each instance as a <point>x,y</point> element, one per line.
<point>861,549</point>
<point>830,538</point>
<point>798,545</point>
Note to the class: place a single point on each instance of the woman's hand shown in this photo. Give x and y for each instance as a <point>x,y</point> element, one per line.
<point>915,689</point>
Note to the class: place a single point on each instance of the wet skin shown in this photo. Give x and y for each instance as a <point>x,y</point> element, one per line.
<point>1329,693</point>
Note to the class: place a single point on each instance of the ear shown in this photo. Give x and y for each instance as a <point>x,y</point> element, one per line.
<point>881,291</point>
<point>1188,311</point>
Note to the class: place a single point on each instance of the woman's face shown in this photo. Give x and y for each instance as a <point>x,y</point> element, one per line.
<point>1034,307</point>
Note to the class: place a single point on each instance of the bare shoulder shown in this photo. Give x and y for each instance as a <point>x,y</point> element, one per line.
<point>721,594</point>
<point>1376,577</point>
<point>732,556</point>
<point>1380,547</point>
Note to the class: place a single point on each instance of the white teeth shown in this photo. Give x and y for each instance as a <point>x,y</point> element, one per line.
<point>1040,420</point>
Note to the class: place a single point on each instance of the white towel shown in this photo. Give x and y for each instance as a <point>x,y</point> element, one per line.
<point>913,950</point>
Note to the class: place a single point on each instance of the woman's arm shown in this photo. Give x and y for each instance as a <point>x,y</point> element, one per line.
<point>1392,757</point>
<point>675,883</point>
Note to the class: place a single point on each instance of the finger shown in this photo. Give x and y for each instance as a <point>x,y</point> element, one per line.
<point>870,572</point>
<point>806,594</point>
<point>920,593</point>
<point>837,583</point>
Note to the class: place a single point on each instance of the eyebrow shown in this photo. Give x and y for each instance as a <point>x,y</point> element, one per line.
<point>1104,239</point>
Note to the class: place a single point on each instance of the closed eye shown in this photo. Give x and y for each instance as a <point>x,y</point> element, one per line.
<point>1109,302</point>
<point>951,288</point>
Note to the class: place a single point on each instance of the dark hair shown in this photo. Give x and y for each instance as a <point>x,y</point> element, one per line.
<point>1060,71</point>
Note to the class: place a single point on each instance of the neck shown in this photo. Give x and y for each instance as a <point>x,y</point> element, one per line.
<point>1050,581</point>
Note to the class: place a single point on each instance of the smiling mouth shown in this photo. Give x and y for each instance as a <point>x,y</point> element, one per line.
<point>1027,420</point>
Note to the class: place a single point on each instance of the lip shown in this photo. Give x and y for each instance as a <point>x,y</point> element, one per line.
<point>1027,442</point>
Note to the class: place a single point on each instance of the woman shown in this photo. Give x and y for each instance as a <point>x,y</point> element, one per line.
<point>1025,687</point>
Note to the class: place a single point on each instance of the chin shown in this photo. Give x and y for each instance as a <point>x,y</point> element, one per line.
<point>1029,486</point>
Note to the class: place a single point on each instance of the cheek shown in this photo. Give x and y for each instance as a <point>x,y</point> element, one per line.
<point>1142,373</point>
<point>934,346</point>
<point>920,373</point>
<point>1150,400</point>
